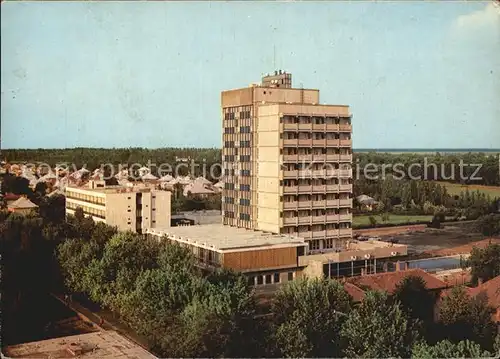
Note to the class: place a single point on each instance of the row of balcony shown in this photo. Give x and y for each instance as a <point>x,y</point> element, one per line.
<point>319,158</point>
<point>325,142</point>
<point>331,188</point>
<point>318,204</point>
<point>316,173</point>
<point>330,127</point>
<point>322,234</point>
<point>317,219</point>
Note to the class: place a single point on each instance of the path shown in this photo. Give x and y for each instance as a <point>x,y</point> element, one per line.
<point>103,320</point>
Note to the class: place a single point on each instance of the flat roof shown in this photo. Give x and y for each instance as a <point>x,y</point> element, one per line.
<point>219,237</point>
<point>99,345</point>
<point>114,189</point>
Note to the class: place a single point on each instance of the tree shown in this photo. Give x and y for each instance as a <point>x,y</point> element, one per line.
<point>484,263</point>
<point>416,300</point>
<point>307,318</point>
<point>378,328</point>
<point>447,349</point>
<point>436,222</point>
<point>385,217</point>
<point>463,317</point>
<point>489,225</point>
<point>219,321</point>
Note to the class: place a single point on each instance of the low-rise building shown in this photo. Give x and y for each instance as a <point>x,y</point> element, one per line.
<point>97,345</point>
<point>268,258</point>
<point>128,208</point>
<point>21,205</point>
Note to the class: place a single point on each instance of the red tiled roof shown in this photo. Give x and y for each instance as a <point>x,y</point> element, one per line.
<point>356,293</point>
<point>11,197</point>
<point>492,289</point>
<point>388,281</point>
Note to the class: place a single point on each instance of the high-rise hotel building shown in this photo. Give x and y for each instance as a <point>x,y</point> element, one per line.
<point>287,163</point>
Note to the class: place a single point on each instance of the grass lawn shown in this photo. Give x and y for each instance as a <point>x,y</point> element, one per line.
<point>456,188</point>
<point>363,220</point>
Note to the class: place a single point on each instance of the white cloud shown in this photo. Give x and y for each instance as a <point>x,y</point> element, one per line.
<point>488,16</point>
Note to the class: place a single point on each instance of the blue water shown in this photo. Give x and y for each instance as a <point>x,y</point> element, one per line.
<point>433,264</point>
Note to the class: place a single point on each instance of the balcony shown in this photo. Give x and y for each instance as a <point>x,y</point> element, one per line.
<point>345,143</point>
<point>305,141</point>
<point>304,126</point>
<point>290,142</point>
<point>290,205</point>
<point>290,174</point>
<point>345,158</point>
<point>290,189</point>
<point>304,220</point>
<point>290,126</point>
<point>345,128</point>
<point>347,217</point>
<point>305,158</point>
<point>345,188</point>
<point>303,235</point>
<point>318,219</point>
<point>290,221</point>
<point>290,158</point>
<point>333,157</point>
<point>319,127</point>
<point>318,234</point>
<point>332,232</point>
<point>319,188</point>
<point>304,204</point>
<point>332,142</point>
<point>318,204</point>
<point>345,232</point>
<point>345,202</point>
<point>319,142</point>
<point>319,157</point>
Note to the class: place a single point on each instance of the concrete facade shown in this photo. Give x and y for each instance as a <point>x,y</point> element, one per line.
<point>287,163</point>
<point>128,208</point>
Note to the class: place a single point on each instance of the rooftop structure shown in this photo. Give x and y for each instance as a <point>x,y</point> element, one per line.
<point>223,238</point>
<point>97,345</point>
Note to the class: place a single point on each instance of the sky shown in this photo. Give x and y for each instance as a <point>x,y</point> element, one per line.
<point>149,74</point>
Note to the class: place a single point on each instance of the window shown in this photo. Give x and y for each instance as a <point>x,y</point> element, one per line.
<point>129,197</point>
<point>268,278</point>
<point>245,158</point>
<point>290,276</point>
<point>244,216</point>
<point>244,187</point>
<point>245,129</point>
<point>328,243</point>
<point>245,172</point>
<point>260,279</point>
<point>276,277</point>
<point>129,210</point>
<point>314,244</point>
<point>244,202</point>
<point>251,280</point>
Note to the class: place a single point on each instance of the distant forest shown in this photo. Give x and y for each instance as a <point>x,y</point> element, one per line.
<point>446,164</point>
